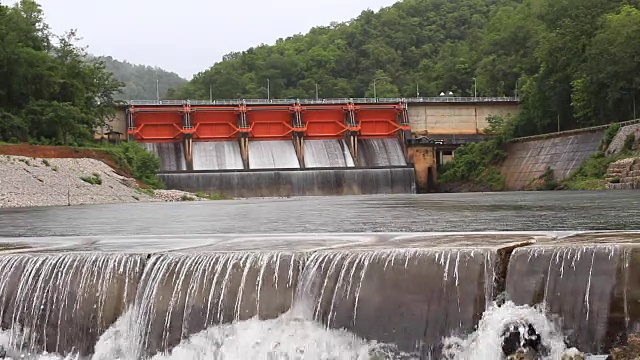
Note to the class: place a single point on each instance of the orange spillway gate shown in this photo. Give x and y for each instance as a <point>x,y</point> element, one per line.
<point>161,123</point>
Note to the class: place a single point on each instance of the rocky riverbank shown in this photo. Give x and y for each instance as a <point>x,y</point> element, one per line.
<point>29,181</point>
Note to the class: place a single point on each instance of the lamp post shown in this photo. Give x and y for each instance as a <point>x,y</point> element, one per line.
<point>268,89</point>
<point>475,88</point>
<point>158,90</point>
<point>375,95</point>
<point>317,91</point>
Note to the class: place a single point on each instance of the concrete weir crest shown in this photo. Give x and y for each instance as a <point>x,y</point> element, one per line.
<point>410,290</point>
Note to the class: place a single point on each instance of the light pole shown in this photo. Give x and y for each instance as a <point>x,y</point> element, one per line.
<point>210,93</point>
<point>158,90</point>
<point>475,88</point>
<point>268,89</point>
<point>417,91</point>
<point>375,95</point>
<point>316,91</point>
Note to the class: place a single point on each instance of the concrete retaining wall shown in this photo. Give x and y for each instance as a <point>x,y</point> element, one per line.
<point>528,160</point>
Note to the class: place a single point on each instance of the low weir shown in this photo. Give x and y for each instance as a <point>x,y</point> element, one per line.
<point>403,295</point>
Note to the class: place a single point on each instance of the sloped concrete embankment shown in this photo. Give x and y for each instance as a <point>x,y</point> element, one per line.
<point>528,160</point>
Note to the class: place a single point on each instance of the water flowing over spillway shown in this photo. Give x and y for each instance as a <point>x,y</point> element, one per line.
<point>272,155</point>
<point>327,154</point>
<point>310,182</point>
<point>171,154</point>
<point>217,155</point>
<point>396,296</point>
<point>380,152</point>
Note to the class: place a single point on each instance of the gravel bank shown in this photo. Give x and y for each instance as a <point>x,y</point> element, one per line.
<point>28,182</point>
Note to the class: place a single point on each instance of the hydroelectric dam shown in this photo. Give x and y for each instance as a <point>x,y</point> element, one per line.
<point>265,148</point>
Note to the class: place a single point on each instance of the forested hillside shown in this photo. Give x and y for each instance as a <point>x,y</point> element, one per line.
<point>576,60</point>
<point>140,80</point>
<point>49,93</point>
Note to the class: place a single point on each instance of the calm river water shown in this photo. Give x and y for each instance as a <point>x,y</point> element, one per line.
<point>515,211</point>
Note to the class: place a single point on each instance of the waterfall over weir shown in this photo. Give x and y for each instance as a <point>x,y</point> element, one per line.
<point>285,182</point>
<point>344,296</point>
<point>132,306</point>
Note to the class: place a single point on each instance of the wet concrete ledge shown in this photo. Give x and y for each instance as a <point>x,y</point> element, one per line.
<point>410,290</point>
<point>291,182</point>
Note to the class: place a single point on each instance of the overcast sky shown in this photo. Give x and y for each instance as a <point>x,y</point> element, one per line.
<point>188,36</point>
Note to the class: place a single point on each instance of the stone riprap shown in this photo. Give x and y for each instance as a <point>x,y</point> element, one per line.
<point>27,182</point>
<point>624,174</point>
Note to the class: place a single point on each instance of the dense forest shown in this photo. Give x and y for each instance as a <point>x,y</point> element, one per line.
<point>49,92</point>
<point>140,80</point>
<point>572,61</point>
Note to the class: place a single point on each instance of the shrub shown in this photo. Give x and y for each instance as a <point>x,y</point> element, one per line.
<point>628,142</point>
<point>93,180</point>
<point>609,135</point>
<point>477,163</point>
<point>143,165</point>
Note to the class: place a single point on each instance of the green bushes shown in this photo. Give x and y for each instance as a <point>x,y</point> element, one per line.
<point>609,135</point>
<point>476,163</point>
<point>143,165</point>
<point>93,180</point>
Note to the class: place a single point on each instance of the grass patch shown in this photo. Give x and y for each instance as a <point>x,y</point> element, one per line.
<point>591,174</point>
<point>212,197</point>
<point>46,163</point>
<point>148,192</point>
<point>93,180</point>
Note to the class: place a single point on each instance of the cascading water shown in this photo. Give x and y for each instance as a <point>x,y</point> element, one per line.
<point>272,155</point>
<point>171,154</point>
<point>597,278</point>
<point>399,298</point>
<point>327,154</point>
<point>217,155</point>
<point>380,152</point>
<point>82,293</point>
<point>309,182</point>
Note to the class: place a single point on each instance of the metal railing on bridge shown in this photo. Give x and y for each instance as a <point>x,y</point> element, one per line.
<point>443,99</point>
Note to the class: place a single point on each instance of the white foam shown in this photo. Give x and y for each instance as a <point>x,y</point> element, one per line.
<point>486,342</point>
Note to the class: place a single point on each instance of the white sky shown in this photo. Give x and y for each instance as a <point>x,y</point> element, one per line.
<point>188,36</point>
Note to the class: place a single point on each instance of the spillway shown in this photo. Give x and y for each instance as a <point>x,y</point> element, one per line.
<point>272,155</point>
<point>327,154</point>
<point>171,154</point>
<point>217,155</point>
<point>380,152</point>
<point>402,295</point>
<point>284,182</point>
<point>217,167</point>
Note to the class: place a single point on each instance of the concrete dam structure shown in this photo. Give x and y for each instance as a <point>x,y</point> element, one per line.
<point>408,295</point>
<point>527,160</point>
<point>260,150</point>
